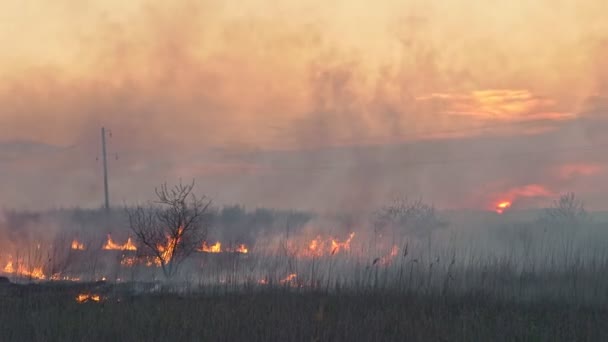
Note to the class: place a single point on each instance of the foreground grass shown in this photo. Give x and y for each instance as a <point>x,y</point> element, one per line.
<point>51,314</point>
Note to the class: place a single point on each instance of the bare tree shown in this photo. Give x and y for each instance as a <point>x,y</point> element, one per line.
<point>408,217</point>
<point>171,228</point>
<point>566,211</point>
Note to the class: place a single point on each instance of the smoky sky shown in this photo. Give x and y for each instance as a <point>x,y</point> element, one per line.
<point>305,105</point>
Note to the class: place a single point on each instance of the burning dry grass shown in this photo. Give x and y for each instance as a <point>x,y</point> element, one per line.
<point>414,291</point>
<point>76,245</point>
<point>215,248</point>
<point>547,267</point>
<point>110,245</point>
<point>19,268</point>
<point>289,279</point>
<point>326,263</point>
<point>240,248</point>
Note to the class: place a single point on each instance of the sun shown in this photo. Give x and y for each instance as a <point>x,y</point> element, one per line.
<point>501,207</point>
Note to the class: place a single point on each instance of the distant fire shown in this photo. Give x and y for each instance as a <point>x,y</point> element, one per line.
<point>336,246</point>
<point>239,249</point>
<point>58,276</point>
<point>216,248</point>
<point>19,268</point>
<point>87,297</point>
<point>502,207</point>
<point>387,259</point>
<point>167,251</point>
<point>77,245</point>
<point>319,247</point>
<point>36,267</point>
<point>128,261</point>
<point>290,278</point>
<point>113,246</point>
<point>148,261</point>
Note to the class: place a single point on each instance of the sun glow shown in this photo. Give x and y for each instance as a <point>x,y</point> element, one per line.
<point>502,207</point>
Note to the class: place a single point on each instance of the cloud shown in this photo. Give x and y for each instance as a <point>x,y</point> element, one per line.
<point>498,105</point>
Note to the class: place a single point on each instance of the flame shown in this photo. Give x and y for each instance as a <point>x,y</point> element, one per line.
<point>35,273</point>
<point>167,251</point>
<point>9,268</point>
<point>336,246</point>
<point>289,278</point>
<point>319,247</point>
<point>128,261</point>
<point>129,245</point>
<point>149,261</point>
<point>388,259</point>
<point>502,207</point>
<point>217,248</point>
<point>315,247</point>
<point>21,270</point>
<point>112,246</point>
<point>77,245</point>
<point>58,276</point>
<point>242,248</point>
<point>87,297</point>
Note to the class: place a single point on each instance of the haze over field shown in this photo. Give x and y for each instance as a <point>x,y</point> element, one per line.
<point>305,104</point>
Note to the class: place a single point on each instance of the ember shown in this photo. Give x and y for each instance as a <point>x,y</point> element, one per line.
<point>289,279</point>
<point>87,297</point>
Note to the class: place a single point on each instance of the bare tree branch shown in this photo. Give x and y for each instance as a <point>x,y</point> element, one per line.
<point>408,217</point>
<point>566,211</point>
<point>172,227</point>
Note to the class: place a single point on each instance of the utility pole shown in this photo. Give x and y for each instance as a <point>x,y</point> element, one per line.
<point>105,170</point>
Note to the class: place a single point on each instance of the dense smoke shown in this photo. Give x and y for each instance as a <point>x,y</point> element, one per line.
<point>308,106</point>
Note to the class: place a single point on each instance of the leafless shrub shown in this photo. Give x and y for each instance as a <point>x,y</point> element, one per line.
<point>60,257</point>
<point>566,212</point>
<point>408,217</point>
<point>173,227</point>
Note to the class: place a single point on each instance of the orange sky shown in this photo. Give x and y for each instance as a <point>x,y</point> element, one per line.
<point>254,78</point>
